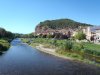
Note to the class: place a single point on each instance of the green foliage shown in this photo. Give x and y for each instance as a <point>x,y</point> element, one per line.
<point>4,45</point>
<point>62,23</point>
<point>78,46</point>
<point>80,36</point>
<point>5,39</point>
<point>70,48</point>
<point>92,46</point>
<point>93,52</point>
<point>54,42</point>
<point>49,36</point>
<point>30,35</point>
<point>2,32</point>
<point>5,34</point>
<point>67,45</point>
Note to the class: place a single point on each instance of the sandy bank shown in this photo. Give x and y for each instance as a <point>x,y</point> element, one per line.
<point>51,51</point>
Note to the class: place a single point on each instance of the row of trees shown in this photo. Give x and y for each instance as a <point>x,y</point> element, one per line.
<point>6,34</point>
<point>5,39</point>
<point>80,36</point>
<point>10,35</point>
<point>55,35</point>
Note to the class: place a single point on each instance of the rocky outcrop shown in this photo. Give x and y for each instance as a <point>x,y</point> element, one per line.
<point>58,26</point>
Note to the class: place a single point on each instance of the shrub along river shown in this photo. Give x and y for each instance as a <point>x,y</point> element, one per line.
<point>22,59</point>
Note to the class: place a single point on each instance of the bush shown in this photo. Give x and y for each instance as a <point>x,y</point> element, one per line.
<point>54,42</point>
<point>78,47</point>
<point>93,52</point>
<point>49,36</point>
<point>68,45</point>
<point>80,36</point>
<point>4,45</point>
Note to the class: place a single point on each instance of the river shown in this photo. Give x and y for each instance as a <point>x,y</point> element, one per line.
<point>22,59</point>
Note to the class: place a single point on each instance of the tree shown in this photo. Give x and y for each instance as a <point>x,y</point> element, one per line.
<point>92,38</point>
<point>9,35</point>
<point>5,34</point>
<point>2,32</point>
<point>80,36</point>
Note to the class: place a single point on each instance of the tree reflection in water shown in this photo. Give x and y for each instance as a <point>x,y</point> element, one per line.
<point>1,53</point>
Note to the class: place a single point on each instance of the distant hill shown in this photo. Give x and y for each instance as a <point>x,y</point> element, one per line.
<point>59,24</point>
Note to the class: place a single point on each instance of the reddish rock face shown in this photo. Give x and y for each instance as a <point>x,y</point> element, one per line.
<point>40,29</point>
<point>45,30</point>
<point>59,26</point>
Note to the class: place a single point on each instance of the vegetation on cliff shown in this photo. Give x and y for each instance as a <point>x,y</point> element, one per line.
<point>61,24</point>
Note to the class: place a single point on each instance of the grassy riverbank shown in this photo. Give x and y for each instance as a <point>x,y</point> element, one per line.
<point>4,45</point>
<point>5,38</point>
<point>68,48</point>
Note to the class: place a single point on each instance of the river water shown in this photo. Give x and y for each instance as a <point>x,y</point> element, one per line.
<point>22,59</point>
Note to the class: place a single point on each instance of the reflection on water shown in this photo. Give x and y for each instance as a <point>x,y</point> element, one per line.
<point>22,59</point>
<point>1,53</point>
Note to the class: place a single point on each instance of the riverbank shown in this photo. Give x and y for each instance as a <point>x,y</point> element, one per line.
<point>51,51</point>
<point>65,49</point>
<point>21,59</point>
<point>4,45</point>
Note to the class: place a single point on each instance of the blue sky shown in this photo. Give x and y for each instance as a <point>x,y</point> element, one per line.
<point>23,15</point>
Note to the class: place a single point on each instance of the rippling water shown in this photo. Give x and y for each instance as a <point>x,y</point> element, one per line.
<point>22,59</point>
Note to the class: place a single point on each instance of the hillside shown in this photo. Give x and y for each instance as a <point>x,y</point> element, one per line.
<point>59,24</point>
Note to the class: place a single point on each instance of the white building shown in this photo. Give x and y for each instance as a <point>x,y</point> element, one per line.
<point>92,32</point>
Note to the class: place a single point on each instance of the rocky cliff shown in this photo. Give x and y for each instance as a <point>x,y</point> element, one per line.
<point>60,25</point>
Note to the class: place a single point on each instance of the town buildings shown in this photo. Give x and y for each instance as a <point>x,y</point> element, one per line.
<point>92,33</point>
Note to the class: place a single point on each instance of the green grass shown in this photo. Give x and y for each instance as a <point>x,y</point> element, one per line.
<point>61,43</point>
<point>4,45</point>
<point>92,46</point>
<point>80,51</point>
